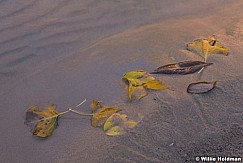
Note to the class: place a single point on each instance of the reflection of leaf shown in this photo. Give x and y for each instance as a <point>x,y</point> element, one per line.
<point>201,87</point>
<point>117,124</point>
<point>183,68</point>
<point>101,114</point>
<point>138,80</point>
<point>205,47</point>
<point>42,123</point>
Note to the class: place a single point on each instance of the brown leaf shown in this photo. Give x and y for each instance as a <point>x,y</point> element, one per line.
<point>101,114</point>
<point>183,68</point>
<point>42,123</point>
<point>201,87</point>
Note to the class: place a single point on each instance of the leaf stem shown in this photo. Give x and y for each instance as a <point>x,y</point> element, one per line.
<point>80,103</point>
<point>201,70</point>
<point>75,111</point>
<point>80,113</point>
<point>64,112</point>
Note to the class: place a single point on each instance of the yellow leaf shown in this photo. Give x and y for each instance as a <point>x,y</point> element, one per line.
<point>135,82</point>
<point>114,119</point>
<point>130,91</point>
<point>147,78</point>
<point>115,131</point>
<point>138,80</point>
<point>205,47</point>
<point>155,84</point>
<point>99,118</point>
<point>138,91</point>
<point>131,123</point>
<point>117,124</point>
<point>134,74</point>
<point>96,105</point>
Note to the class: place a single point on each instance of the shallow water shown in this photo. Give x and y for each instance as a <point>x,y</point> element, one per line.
<point>65,51</point>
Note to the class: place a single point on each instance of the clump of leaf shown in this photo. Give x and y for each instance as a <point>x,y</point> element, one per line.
<point>44,122</point>
<point>101,113</point>
<point>117,124</point>
<point>139,81</point>
<point>182,68</point>
<point>208,46</point>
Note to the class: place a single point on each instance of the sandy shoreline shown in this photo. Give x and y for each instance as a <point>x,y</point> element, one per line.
<point>73,53</point>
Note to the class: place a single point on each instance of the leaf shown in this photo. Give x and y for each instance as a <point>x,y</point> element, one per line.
<point>117,124</point>
<point>147,78</point>
<point>201,87</point>
<point>42,123</point>
<point>115,119</point>
<point>137,91</point>
<point>208,46</point>
<point>134,74</point>
<point>101,113</point>
<point>137,82</point>
<point>131,123</point>
<point>115,131</point>
<point>96,105</point>
<point>182,68</point>
<point>156,85</point>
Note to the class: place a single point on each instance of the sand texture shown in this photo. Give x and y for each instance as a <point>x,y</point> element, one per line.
<point>64,51</point>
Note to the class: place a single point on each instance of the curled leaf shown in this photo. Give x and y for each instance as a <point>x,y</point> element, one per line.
<point>208,46</point>
<point>101,113</point>
<point>115,119</point>
<point>44,122</point>
<point>183,68</point>
<point>138,91</point>
<point>201,87</point>
<point>115,131</point>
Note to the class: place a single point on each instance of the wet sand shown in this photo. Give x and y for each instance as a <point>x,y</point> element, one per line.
<point>66,51</point>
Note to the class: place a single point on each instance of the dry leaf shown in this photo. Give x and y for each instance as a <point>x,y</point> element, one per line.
<point>201,87</point>
<point>183,68</point>
<point>42,123</point>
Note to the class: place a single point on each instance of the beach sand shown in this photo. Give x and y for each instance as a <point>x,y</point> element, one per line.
<point>64,51</point>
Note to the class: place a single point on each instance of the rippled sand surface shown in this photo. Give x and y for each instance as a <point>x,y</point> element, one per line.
<point>64,51</point>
